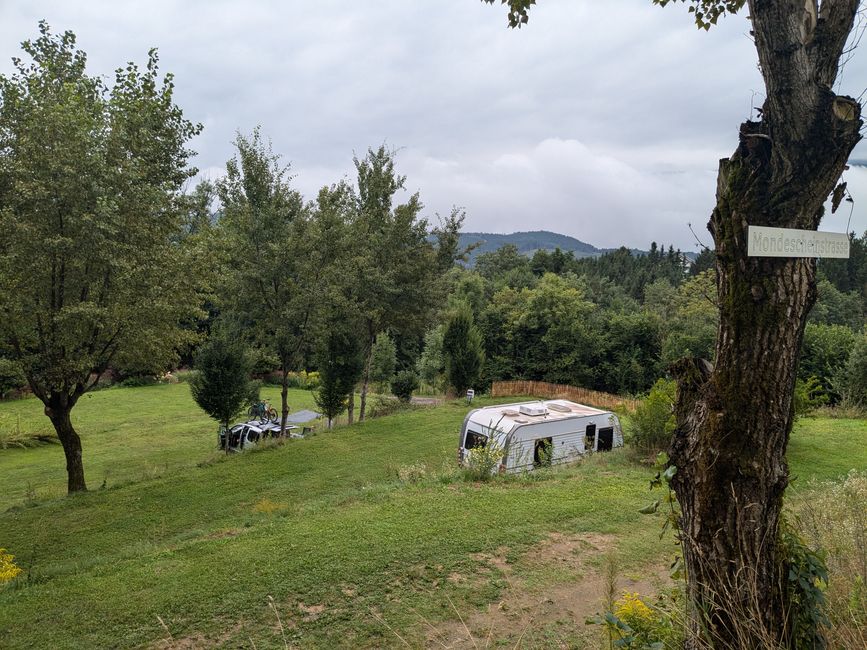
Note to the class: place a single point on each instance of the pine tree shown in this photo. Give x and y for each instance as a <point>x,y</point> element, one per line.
<point>221,385</point>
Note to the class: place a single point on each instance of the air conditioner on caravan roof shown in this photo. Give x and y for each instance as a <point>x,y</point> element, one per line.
<point>533,409</point>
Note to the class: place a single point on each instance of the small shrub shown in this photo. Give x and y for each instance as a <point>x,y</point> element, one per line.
<point>403,385</point>
<point>8,568</point>
<point>809,395</point>
<point>382,405</point>
<point>652,424</point>
<point>482,462</point>
<point>635,622</point>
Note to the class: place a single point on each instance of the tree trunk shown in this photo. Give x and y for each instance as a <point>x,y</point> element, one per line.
<point>58,411</point>
<point>734,419</point>
<point>365,382</point>
<point>284,400</point>
<point>350,407</point>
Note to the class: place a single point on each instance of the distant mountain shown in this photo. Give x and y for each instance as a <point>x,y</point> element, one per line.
<point>529,242</point>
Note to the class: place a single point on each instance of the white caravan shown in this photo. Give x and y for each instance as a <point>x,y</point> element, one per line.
<point>538,433</point>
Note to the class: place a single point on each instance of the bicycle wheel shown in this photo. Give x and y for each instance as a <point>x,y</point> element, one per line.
<point>272,415</point>
<point>252,412</point>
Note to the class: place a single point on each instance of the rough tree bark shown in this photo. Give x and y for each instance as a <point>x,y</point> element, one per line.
<point>734,419</point>
<point>58,407</point>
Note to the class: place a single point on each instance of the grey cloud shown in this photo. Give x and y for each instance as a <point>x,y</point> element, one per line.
<point>600,120</point>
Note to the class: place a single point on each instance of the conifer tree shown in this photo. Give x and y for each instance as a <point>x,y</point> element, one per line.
<point>221,383</point>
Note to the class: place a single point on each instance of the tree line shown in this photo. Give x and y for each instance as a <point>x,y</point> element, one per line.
<point>616,322</point>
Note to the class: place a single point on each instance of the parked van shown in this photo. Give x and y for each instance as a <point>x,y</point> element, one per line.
<point>534,434</point>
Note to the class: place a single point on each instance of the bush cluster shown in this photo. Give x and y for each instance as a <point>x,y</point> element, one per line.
<point>403,384</point>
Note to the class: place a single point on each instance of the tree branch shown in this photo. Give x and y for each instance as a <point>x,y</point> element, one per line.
<point>836,19</point>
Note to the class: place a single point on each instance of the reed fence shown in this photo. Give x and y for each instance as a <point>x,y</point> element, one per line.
<point>561,391</point>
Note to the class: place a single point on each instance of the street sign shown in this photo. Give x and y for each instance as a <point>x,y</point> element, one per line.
<point>763,241</point>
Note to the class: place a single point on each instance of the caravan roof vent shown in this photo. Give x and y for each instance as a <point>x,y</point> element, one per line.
<point>521,420</point>
<point>560,408</point>
<point>533,409</point>
<point>511,413</point>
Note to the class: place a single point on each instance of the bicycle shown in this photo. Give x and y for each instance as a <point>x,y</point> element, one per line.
<point>263,411</point>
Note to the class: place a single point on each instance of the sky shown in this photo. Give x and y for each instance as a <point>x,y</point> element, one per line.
<point>600,120</point>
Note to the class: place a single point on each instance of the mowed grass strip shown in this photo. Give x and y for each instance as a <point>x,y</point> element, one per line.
<point>322,526</point>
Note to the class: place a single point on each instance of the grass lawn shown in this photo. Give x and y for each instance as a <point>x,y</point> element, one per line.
<point>351,555</point>
<point>128,434</point>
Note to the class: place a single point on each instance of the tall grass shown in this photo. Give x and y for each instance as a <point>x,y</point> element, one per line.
<point>832,516</point>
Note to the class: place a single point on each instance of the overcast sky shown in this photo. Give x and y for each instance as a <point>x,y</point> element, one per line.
<point>600,120</point>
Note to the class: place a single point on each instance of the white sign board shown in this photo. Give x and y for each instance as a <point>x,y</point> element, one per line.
<point>763,241</point>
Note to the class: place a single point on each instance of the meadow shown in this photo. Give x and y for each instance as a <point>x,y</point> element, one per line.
<point>364,536</point>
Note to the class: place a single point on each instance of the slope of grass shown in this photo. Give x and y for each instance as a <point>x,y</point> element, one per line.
<point>321,525</point>
<point>127,434</point>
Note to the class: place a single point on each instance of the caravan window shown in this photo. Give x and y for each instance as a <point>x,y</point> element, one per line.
<point>543,452</point>
<point>606,439</point>
<point>474,440</point>
<point>590,436</point>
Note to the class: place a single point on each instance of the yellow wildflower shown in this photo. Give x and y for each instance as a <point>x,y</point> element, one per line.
<point>8,569</point>
<point>632,609</point>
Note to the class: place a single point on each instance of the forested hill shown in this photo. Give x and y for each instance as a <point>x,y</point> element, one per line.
<point>528,243</point>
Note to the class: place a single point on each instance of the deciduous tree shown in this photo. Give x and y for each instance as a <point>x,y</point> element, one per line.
<point>92,269</point>
<point>274,257</point>
<point>394,264</point>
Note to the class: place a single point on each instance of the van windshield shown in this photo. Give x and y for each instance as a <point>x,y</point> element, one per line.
<point>474,440</point>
